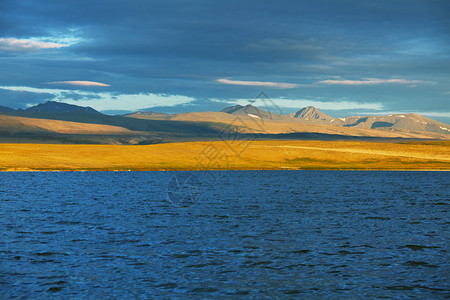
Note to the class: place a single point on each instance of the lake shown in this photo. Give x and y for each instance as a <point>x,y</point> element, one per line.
<point>224,234</point>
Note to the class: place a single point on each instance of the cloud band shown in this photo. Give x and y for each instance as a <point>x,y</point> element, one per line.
<point>371,81</point>
<point>17,45</point>
<point>80,83</point>
<point>278,85</point>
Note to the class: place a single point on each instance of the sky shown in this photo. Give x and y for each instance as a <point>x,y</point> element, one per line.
<point>346,57</point>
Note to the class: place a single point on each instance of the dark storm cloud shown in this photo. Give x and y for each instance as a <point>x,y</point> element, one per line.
<point>22,99</point>
<point>184,47</point>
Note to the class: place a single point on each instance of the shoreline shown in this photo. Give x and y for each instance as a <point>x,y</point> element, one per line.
<point>227,170</point>
<point>228,155</point>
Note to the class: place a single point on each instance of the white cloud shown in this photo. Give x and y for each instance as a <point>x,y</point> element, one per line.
<point>80,83</point>
<point>130,101</point>
<point>435,114</point>
<point>106,101</point>
<point>17,45</point>
<point>278,85</point>
<point>291,105</point>
<point>33,90</point>
<point>371,81</point>
<point>429,114</point>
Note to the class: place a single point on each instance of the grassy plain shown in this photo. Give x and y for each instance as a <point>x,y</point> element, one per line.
<point>229,155</point>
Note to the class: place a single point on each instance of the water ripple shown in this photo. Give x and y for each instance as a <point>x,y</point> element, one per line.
<point>252,234</point>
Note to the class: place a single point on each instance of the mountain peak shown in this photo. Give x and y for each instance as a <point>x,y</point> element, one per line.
<point>311,113</point>
<point>252,111</point>
<point>232,109</point>
<point>244,110</point>
<point>53,106</point>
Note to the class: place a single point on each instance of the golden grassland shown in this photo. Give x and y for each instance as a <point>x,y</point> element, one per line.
<point>229,155</point>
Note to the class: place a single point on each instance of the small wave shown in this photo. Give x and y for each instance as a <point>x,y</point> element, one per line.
<point>181,255</point>
<point>378,218</point>
<point>168,285</point>
<point>49,232</point>
<point>59,282</point>
<point>67,222</point>
<point>55,289</point>
<point>203,265</point>
<point>235,251</point>
<point>345,252</point>
<point>292,292</point>
<point>259,263</point>
<point>413,263</point>
<point>301,251</point>
<point>418,247</point>
<point>412,287</point>
<point>47,253</point>
<point>204,290</point>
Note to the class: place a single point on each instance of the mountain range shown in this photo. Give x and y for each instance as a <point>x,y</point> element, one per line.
<point>52,106</point>
<point>411,121</point>
<point>55,122</point>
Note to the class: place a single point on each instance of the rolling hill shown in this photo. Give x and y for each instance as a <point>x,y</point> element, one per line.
<point>63,123</point>
<point>12,124</point>
<point>54,123</point>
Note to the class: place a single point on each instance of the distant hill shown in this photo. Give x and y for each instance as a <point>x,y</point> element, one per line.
<point>253,112</point>
<point>81,127</point>
<point>13,124</point>
<point>150,115</point>
<point>5,109</point>
<point>52,107</point>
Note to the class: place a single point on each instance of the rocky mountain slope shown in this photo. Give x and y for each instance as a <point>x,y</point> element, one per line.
<point>410,122</point>
<point>310,113</point>
<point>253,112</point>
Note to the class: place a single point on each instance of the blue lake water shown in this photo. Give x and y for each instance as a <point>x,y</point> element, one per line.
<point>246,234</point>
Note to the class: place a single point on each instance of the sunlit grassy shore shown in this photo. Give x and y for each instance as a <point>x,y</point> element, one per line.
<point>229,155</point>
